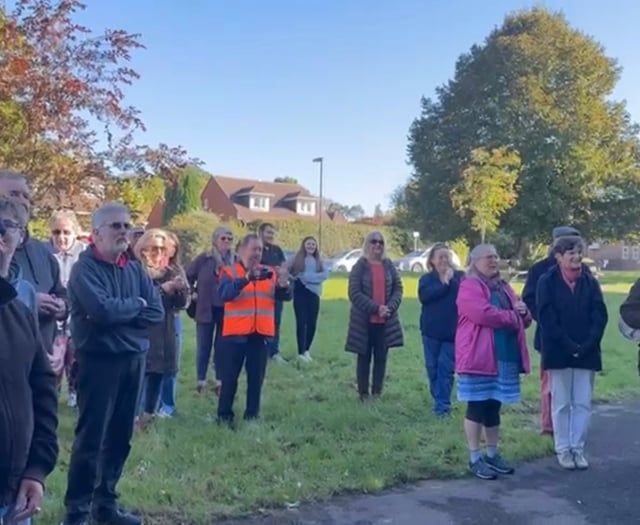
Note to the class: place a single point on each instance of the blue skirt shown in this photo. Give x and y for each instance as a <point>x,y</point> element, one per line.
<point>505,387</point>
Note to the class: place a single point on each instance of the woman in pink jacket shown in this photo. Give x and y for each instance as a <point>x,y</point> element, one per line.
<point>491,353</point>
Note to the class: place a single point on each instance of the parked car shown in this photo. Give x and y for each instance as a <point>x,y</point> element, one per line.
<point>521,276</point>
<point>416,261</point>
<point>344,261</point>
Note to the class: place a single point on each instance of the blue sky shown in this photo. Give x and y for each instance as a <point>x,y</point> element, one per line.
<point>257,88</point>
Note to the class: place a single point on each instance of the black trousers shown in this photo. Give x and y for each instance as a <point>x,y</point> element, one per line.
<point>376,351</point>
<point>252,354</point>
<point>306,307</point>
<point>108,392</point>
<point>152,388</point>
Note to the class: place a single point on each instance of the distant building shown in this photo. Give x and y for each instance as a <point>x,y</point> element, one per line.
<point>249,200</point>
<point>615,256</point>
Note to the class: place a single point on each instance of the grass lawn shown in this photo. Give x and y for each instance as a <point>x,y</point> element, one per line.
<point>315,439</point>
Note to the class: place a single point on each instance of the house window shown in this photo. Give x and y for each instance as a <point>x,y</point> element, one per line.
<point>205,204</point>
<point>625,253</point>
<point>259,203</point>
<point>635,253</point>
<point>306,208</point>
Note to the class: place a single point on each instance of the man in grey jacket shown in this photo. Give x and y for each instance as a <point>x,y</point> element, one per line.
<point>36,262</point>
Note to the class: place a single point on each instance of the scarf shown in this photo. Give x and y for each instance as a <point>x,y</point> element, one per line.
<point>497,285</point>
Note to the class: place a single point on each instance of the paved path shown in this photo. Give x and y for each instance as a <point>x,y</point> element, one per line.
<point>538,494</point>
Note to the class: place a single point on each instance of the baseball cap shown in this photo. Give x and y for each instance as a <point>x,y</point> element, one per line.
<point>565,231</point>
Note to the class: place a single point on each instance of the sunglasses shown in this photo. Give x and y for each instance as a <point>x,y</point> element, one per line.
<point>61,232</point>
<point>377,241</point>
<point>226,238</point>
<point>119,225</point>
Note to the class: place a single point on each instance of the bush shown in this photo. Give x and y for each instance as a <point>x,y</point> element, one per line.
<point>194,231</point>
<point>335,237</point>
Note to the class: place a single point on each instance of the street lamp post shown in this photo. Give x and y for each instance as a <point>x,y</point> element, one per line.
<point>320,160</point>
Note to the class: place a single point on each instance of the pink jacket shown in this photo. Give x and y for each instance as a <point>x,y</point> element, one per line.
<point>477,319</point>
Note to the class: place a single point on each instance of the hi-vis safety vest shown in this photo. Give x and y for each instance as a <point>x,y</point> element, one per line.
<point>252,312</point>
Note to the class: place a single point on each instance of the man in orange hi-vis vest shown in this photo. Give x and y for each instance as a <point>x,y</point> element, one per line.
<point>249,291</point>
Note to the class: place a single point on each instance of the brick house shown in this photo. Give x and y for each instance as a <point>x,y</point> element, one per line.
<point>247,200</point>
<point>617,256</point>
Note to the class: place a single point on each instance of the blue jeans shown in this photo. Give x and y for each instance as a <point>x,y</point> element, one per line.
<point>439,358</point>
<point>170,381</point>
<point>274,342</point>
<point>5,512</point>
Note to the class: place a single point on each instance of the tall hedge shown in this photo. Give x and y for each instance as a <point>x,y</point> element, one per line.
<point>195,229</point>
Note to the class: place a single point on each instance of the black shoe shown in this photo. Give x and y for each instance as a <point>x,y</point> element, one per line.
<point>228,423</point>
<point>118,517</point>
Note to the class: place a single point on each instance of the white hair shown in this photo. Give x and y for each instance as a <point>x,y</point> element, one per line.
<point>477,253</point>
<point>65,215</point>
<point>100,215</point>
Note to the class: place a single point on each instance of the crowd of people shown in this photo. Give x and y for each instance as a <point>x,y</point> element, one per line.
<point>107,315</point>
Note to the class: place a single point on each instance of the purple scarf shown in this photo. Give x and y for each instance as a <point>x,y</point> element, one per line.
<point>498,285</point>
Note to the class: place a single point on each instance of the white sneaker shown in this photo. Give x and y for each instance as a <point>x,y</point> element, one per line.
<point>72,400</point>
<point>566,461</point>
<point>580,461</point>
<point>306,357</point>
<point>278,358</point>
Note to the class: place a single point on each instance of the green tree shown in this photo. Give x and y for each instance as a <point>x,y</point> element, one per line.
<point>286,180</point>
<point>139,193</point>
<point>182,195</point>
<point>542,88</point>
<point>350,212</point>
<point>487,188</point>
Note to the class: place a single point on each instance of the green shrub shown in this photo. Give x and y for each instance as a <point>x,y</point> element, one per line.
<point>194,231</point>
<point>335,237</point>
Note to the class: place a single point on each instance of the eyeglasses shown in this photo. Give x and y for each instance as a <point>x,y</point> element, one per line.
<point>119,225</point>
<point>61,232</point>
<point>226,238</point>
<point>377,241</point>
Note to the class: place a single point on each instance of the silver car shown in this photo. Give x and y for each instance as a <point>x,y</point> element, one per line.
<point>416,261</point>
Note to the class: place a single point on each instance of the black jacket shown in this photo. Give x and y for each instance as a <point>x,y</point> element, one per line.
<point>28,399</point>
<point>630,308</point>
<point>40,268</point>
<point>534,274</point>
<point>107,315</point>
<point>570,322</point>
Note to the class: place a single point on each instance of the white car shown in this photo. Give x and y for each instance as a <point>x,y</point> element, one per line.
<point>344,262</point>
<point>416,261</point>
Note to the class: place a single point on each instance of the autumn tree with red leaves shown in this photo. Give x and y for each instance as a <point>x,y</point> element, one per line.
<point>60,83</point>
